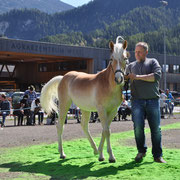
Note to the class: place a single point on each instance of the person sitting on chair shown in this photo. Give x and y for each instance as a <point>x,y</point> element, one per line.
<point>5,108</point>
<point>36,110</point>
<point>19,112</point>
<point>24,101</point>
<point>124,110</point>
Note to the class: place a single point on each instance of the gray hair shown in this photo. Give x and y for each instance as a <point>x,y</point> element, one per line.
<point>143,44</point>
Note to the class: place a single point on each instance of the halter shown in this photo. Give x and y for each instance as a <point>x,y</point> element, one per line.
<point>119,70</point>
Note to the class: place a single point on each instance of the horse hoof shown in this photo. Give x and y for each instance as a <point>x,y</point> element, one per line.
<point>112,160</point>
<point>101,159</point>
<point>62,157</point>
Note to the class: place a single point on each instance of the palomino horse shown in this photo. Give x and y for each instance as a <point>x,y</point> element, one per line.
<point>101,92</point>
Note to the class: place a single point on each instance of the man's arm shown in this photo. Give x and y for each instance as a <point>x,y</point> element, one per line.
<point>146,77</point>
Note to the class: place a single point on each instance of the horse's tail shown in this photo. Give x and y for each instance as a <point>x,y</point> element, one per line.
<point>49,95</point>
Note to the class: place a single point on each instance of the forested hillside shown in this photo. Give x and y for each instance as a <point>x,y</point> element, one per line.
<point>155,40</point>
<point>98,22</point>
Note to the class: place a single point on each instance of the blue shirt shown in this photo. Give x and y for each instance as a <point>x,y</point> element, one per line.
<point>5,105</point>
<point>31,95</point>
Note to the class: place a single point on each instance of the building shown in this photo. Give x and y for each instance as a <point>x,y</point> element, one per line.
<point>26,62</point>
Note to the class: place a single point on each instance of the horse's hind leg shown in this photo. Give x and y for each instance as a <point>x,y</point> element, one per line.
<point>64,107</point>
<point>84,124</point>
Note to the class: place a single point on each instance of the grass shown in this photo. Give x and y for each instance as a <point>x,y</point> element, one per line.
<point>42,161</point>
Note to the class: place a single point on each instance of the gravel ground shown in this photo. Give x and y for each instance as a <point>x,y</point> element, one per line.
<point>13,136</point>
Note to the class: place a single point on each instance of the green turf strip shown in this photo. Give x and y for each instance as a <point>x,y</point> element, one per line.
<point>42,161</point>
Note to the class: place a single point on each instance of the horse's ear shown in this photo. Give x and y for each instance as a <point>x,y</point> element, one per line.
<point>125,44</point>
<point>111,46</point>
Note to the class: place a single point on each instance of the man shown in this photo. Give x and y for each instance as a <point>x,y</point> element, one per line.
<point>36,110</point>
<point>4,108</point>
<point>163,98</point>
<point>170,102</point>
<point>31,94</point>
<point>144,75</point>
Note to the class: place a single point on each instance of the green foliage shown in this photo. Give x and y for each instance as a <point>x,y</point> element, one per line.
<point>98,22</point>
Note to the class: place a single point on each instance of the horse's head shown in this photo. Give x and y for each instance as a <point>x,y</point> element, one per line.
<point>119,58</point>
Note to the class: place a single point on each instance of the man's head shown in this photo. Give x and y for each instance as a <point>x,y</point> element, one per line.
<point>167,91</point>
<point>3,97</point>
<point>31,88</point>
<point>37,101</point>
<point>141,51</point>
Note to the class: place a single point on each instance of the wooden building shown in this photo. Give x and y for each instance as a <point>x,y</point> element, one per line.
<point>23,63</point>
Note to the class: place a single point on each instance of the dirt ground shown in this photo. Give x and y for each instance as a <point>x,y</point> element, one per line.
<point>14,136</point>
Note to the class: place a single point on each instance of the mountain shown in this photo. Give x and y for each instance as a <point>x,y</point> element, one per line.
<point>98,21</point>
<point>99,13</point>
<point>48,6</point>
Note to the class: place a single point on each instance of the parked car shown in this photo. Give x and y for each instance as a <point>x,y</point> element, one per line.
<point>177,101</point>
<point>16,98</point>
<point>38,94</point>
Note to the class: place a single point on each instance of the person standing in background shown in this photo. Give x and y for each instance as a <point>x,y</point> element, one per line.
<point>31,94</point>
<point>163,98</point>
<point>170,102</point>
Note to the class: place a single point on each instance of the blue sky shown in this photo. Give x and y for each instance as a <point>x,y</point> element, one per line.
<point>76,3</point>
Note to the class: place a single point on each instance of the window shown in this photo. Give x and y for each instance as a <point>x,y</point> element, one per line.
<point>43,67</point>
<point>63,66</point>
<point>6,68</point>
<point>70,66</point>
<point>176,69</point>
<point>165,68</point>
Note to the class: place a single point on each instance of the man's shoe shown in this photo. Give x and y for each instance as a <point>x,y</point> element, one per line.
<point>159,160</point>
<point>139,157</point>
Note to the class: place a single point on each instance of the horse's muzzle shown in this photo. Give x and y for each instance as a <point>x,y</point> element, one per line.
<point>119,77</point>
<point>119,80</point>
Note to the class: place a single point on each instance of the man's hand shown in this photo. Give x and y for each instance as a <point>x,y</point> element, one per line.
<point>126,77</point>
<point>132,76</point>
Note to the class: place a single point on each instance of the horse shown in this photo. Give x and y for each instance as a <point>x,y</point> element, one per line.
<point>101,92</point>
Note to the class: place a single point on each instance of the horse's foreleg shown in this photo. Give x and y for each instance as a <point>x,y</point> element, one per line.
<point>84,124</point>
<point>105,121</point>
<point>108,133</point>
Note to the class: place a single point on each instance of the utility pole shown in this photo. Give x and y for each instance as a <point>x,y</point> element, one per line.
<point>164,3</point>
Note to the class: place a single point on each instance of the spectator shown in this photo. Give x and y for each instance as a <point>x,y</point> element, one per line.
<point>124,110</point>
<point>170,102</point>
<point>24,101</point>
<point>31,94</point>
<point>51,119</point>
<point>77,114</point>
<point>19,112</point>
<point>163,98</point>
<point>5,109</point>
<point>36,110</point>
